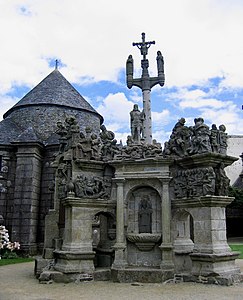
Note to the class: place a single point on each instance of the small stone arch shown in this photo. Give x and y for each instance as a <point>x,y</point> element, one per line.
<point>183,231</point>
<point>104,235</point>
<point>134,185</point>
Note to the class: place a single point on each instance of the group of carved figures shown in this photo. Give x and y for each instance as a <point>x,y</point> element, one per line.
<point>86,145</point>
<point>196,139</point>
<point>92,187</point>
<point>201,182</point>
<point>183,141</point>
<point>83,186</point>
<point>139,151</point>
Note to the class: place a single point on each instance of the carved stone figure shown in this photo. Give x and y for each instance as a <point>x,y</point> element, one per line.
<point>200,139</point>
<point>214,138</point>
<point>222,181</point>
<point>62,180</point>
<point>137,119</point>
<point>62,132</point>
<point>96,146</point>
<point>145,216</point>
<point>179,139</point>
<point>129,66</point>
<point>209,182</point>
<point>222,139</point>
<point>160,63</point>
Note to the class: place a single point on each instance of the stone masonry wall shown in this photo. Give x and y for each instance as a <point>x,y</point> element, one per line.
<point>26,196</point>
<point>44,118</point>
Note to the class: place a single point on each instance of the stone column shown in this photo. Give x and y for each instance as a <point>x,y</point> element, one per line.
<point>120,244</point>
<point>148,121</point>
<point>166,246</point>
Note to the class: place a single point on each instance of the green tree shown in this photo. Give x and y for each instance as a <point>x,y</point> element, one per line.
<point>238,195</point>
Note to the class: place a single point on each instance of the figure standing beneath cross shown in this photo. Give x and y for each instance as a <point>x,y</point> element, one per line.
<point>145,83</point>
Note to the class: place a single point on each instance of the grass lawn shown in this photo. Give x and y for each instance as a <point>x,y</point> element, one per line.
<point>9,261</point>
<point>238,248</point>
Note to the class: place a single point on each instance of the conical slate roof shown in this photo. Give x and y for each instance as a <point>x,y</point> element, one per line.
<point>54,90</point>
<point>35,116</point>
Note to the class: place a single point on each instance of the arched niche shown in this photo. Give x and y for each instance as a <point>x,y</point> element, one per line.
<point>183,232</point>
<point>104,235</point>
<point>143,210</point>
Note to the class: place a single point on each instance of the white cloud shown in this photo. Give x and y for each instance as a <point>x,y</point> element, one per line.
<point>6,103</point>
<point>115,108</point>
<point>198,103</point>
<point>199,40</point>
<point>94,38</point>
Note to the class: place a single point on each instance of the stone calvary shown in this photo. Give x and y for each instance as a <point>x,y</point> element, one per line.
<point>106,211</point>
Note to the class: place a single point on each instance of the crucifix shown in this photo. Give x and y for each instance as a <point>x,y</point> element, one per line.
<point>56,64</point>
<point>145,83</point>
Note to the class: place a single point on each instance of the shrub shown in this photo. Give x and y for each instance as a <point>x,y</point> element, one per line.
<point>7,247</point>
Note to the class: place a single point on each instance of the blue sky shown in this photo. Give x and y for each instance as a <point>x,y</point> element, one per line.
<point>201,42</point>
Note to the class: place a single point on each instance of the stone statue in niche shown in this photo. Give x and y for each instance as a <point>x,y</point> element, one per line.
<point>137,119</point>
<point>145,215</point>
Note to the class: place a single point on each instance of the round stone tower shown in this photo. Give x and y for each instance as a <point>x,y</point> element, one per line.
<point>28,143</point>
<point>36,114</point>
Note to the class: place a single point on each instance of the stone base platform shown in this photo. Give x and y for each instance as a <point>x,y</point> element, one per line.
<point>215,268</point>
<point>142,274</point>
<point>213,279</point>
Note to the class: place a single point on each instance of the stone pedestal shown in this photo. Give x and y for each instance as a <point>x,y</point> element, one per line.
<point>212,256</point>
<point>76,254</point>
<point>212,259</point>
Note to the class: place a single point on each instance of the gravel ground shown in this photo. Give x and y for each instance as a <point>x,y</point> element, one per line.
<point>17,282</point>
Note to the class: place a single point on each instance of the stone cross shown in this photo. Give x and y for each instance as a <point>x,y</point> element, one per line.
<point>143,46</point>
<point>56,64</point>
<point>145,83</point>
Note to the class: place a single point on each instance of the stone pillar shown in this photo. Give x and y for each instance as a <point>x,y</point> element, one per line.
<point>76,254</point>
<point>120,245</point>
<point>166,246</point>
<point>27,195</point>
<point>212,254</point>
<point>148,121</point>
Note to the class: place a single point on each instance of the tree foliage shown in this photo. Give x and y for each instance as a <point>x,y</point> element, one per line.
<point>238,195</point>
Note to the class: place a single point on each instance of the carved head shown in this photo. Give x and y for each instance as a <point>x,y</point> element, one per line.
<point>135,107</point>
